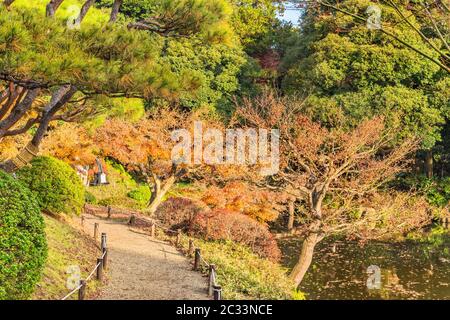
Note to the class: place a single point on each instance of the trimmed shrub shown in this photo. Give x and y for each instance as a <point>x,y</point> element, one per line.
<point>56,185</point>
<point>23,246</point>
<point>178,213</point>
<point>237,227</point>
<point>141,194</point>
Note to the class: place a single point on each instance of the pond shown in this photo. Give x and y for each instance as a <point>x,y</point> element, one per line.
<point>406,270</point>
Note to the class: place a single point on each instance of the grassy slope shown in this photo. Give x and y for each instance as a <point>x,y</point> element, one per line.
<point>116,192</point>
<point>66,247</point>
<point>244,275</point>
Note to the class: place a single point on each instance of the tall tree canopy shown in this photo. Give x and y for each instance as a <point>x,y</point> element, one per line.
<point>352,72</point>
<point>52,68</point>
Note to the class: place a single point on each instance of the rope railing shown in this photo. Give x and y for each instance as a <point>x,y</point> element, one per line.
<point>214,289</point>
<point>71,292</point>
<point>99,267</point>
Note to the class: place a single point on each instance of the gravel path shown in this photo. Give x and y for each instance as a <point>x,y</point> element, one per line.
<point>142,268</point>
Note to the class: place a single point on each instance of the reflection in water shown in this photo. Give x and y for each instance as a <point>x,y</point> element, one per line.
<point>340,270</point>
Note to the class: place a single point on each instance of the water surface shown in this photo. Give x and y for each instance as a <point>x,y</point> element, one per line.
<point>408,270</point>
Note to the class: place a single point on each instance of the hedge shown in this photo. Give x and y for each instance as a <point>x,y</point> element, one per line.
<point>23,246</point>
<point>56,185</point>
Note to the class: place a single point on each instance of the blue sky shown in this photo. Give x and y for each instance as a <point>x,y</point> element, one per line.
<point>290,15</point>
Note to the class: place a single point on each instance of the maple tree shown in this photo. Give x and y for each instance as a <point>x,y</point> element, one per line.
<point>146,147</point>
<point>238,196</point>
<point>321,167</point>
<point>71,143</point>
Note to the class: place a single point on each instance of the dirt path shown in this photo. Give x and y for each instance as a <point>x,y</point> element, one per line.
<point>142,268</point>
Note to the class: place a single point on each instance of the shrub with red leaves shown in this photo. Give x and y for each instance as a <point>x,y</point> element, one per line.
<point>228,225</point>
<point>178,213</point>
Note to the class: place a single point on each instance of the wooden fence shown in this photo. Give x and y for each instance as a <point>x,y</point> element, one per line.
<point>100,267</point>
<point>138,220</point>
<point>214,289</point>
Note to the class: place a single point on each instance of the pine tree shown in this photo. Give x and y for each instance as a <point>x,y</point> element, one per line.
<point>41,59</point>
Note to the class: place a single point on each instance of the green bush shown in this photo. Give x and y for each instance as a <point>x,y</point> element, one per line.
<point>23,246</point>
<point>142,194</point>
<point>56,185</point>
<point>437,191</point>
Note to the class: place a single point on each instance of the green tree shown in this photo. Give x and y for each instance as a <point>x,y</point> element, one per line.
<point>61,76</point>
<point>352,72</point>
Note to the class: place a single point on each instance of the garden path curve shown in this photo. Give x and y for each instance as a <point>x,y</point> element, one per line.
<point>143,268</point>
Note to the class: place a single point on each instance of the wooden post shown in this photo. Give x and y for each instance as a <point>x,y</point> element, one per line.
<point>152,230</point>
<point>82,222</point>
<point>109,212</point>
<point>197,259</point>
<point>212,271</point>
<point>103,241</point>
<point>100,269</point>
<point>82,290</point>
<point>132,220</point>
<point>191,247</point>
<point>178,237</point>
<point>291,216</point>
<point>217,292</point>
<point>105,258</point>
<point>95,230</point>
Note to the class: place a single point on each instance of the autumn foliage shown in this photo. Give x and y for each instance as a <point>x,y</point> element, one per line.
<point>237,196</point>
<point>178,213</point>
<point>224,224</point>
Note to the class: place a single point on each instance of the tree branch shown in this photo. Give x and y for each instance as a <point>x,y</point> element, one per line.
<point>51,8</point>
<point>84,10</point>
<point>362,19</point>
<point>18,112</point>
<point>115,10</point>
<point>58,100</point>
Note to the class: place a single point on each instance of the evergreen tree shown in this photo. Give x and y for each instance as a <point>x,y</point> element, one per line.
<point>352,72</point>
<point>51,67</point>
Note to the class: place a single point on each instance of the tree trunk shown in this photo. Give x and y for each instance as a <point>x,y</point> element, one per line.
<point>429,164</point>
<point>305,259</point>
<point>290,226</point>
<point>159,192</point>
<point>115,10</point>
<point>7,3</point>
<point>314,236</point>
<point>58,100</point>
<point>84,10</point>
<point>51,8</point>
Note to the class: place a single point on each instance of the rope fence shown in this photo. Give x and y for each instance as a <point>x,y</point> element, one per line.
<point>100,266</point>
<point>137,219</point>
<point>214,289</point>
